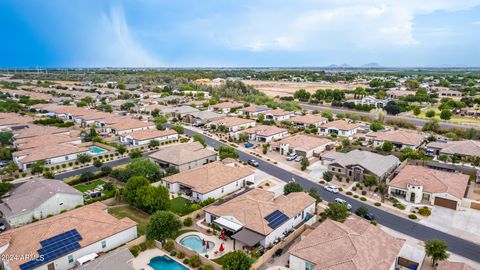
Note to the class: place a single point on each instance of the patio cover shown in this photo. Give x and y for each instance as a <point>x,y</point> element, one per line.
<point>229,223</point>
<point>248,237</point>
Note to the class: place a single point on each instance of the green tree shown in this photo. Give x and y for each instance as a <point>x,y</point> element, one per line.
<point>81,104</point>
<point>370,181</point>
<point>135,153</point>
<point>5,153</point>
<point>327,176</point>
<point>5,187</point>
<point>430,113</point>
<point>5,137</point>
<point>38,167</point>
<point>97,163</point>
<point>227,152</point>
<point>199,138</point>
<point>416,110</point>
<point>433,126</point>
<point>314,194</point>
<point>302,95</point>
<point>153,143</point>
<point>304,163</point>
<point>261,118</point>
<point>127,106</point>
<point>131,188</point>
<point>151,199</point>
<point>84,158</point>
<point>437,249</point>
<point>292,187</point>
<point>328,114</point>
<point>387,146</point>
<point>160,119</point>
<point>144,167</point>
<point>264,149</point>
<point>236,260</point>
<point>178,128</point>
<point>375,126</point>
<point>163,225</point>
<point>337,211</point>
<point>446,114</point>
<point>121,149</point>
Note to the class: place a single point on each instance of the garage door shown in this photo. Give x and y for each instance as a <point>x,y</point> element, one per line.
<point>446,203</point>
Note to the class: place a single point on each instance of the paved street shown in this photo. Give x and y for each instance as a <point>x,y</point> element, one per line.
<point>418,122</point>
<point>456,245</point>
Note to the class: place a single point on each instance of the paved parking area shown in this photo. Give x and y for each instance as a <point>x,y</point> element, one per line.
<point>462,223</point>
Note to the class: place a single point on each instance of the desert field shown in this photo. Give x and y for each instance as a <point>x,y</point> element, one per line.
<point>280,88</point>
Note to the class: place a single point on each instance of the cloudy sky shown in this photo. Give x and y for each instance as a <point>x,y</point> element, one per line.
<point>226,33</point>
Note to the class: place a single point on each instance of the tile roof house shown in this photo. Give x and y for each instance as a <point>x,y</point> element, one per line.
<point>233,124</point>
<point>183,156</point>
<point>400,139</point>
<point>43,140</point>
<point>90,229</point>
<point>309,119</point>
<point>52,154</point>
<point>357,164</point>
<point>259,216</point>
<point>354,244</point>
<point>202,117</point>
<point>225,107</point>
<point>129,125</point>
<point>178,111</point>
<point>253,111</point>
<point>264,133</point>
<point>37,198</point>
<point>278,115</point>
<point>143,137</point>
<point>302,145</point>
<point>466,148</point>
<point>213,180</point>
<point>13,121</point>
<point>418,183</point>
<point>340,128</point>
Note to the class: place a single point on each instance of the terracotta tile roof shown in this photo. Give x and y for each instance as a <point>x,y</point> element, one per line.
<point>209,177</point>
<point>153,107</point>
<point>465,148</point>
<point>48,151</point>
<point>130,124</point>
<point>375,163</point>
<point>14,119</point>
<point>92,222</point>
<point>340,124</point>
<point>37,130</point>
<point>43,140</point>
<point>227,105</point>
<point>255,108</point>
<point>252,207</point>
<point>278,112</point>
<point>398,136</point>
<point>147,134</point>
<point>306,142</point>
<point>309,119</point>
<point>352,245</point>
<point>233,121</point>
<point>449,265</point>
<point>264,130</point>
<point>433,181</point>
<point>179,154</point>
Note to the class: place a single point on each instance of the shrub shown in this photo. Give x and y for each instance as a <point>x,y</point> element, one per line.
<point>363,199</point>
<point>378,204</point>
<point>188,222</point>
<point>400,206</point>
<point>208,267</point>
<point>186,261</point>
<point>412,216</point>
<point>135,250</point>
<point>328,176</point>
<point>354,189</point>
<point>425,211</point>
<point>169,245</point>
<point>173,253</point>
<point>321,182</point>
<point>355,196</point>
<point>340,189</point>
<point>349,193</point>
<point>149,244</point>
<point>180,255</point>
<point>195,261</point>
<point>364,192</point>
<point>373,222</point>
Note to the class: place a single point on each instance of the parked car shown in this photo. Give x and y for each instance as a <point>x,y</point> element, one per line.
<point>2,227</point>
<point>253,162</point>
<point>342,201</point>
<point>332,188</point>
<point>364,212</point>
<point>298,158</point>
<point>3,163</point>
<point>248,145</point>
<point>291,156</point>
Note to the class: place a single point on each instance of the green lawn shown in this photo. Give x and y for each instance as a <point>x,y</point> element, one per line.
<point>92,185</point>
<point>454,119</point>
<point>133,213</point>
<point>177,205</point>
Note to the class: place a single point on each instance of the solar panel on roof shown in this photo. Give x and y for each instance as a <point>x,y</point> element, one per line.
<point>276,218</point>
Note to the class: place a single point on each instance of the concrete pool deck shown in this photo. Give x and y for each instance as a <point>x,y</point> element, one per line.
<point>227,245</point>
<point>143,259</point>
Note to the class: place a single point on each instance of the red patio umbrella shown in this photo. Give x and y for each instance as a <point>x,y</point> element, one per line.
<point>223,235</point>
<point>221,249</point>
<point>207,244</point>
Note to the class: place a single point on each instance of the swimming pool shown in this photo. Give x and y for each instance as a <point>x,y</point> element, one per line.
<point>165,263</point>
<point>96,150</point>
<point>194,242</point>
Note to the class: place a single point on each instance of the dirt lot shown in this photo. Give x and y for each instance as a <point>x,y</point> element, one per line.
<point>278,88</point>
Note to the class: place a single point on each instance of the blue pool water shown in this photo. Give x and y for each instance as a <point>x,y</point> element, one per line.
<point>96,150</point>
<point>194,242</point>
<point>165,263</point>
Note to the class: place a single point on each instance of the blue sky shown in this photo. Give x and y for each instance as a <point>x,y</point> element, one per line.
<point>226,33</point>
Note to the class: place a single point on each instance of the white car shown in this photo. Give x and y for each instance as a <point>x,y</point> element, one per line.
<point>291,156</point>
<point>342,201</point>
<point>332,188</point>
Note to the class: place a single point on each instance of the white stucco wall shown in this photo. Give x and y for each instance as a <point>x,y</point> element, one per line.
<point>227,189</point>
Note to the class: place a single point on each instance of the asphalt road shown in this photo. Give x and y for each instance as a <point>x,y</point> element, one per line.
<point>418,122</point>
<point>456,245</point>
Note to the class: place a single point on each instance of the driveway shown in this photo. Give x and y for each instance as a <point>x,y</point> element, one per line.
<point>317,170</point>
<point>462,223</point>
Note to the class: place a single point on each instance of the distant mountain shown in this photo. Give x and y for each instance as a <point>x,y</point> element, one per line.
<point>372,65</point>
<point>339,66</point>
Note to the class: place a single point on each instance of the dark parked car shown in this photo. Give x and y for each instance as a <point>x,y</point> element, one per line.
<point>363,211</point>
<point>253,162</point>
